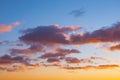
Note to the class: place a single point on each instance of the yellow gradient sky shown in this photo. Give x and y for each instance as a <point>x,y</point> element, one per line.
<point>56,74</point>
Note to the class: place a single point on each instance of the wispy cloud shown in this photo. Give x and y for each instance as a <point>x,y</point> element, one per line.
<point>72,60</point>
<point>108,66</point>
<point>8,28</point>
<point>77,12</point>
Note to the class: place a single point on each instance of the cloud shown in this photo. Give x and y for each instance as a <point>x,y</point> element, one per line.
<point>109,66</point>
<point>67,50</point>
<point>7,59</point>
<point>49,55</point>
<point>8,28</point>
<point>54,59</point>
<point>48,34</point>
<point>13,68</point>
<point>15,63</point>
<point>115,47</point>
<point>1,42</point>
<point>72,60</point>
<point>56,64</point>
<point>77,13</point>
<point>18,67</point>
<point>99,58</point>
<point>60,53</point>
<point>49,41</point>
<point>31,50</point>
<point>92,59</point>
<point>111,34</point>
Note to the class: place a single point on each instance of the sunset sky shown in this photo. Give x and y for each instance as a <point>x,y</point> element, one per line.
<point>59,39</point>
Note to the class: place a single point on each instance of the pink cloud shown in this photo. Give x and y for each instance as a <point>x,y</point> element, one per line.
<point>8,28</point>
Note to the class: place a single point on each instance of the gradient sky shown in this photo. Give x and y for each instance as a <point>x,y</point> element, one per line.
<point>59,40</point>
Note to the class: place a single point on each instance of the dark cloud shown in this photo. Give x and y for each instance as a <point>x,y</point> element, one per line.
<point>53,59</point>
<point>15,63</point>
<point>49,55</point>
<point>111,34</point>
<point>48,34</point>
<point>77,13</point>
<point>31,50</point>
<point>7,59</point>
<point>68,50</point>
<point>72,60</point>
<point>60,53</point>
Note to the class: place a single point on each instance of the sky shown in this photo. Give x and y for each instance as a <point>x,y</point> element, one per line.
<point>59,40</point>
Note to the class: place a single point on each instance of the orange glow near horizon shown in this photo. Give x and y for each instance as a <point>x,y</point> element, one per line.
<point>55,74</point>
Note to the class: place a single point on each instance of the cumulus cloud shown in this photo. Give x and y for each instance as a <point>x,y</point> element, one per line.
<point>8,28</point>
<point>48,34</point>
<point>111,34</point>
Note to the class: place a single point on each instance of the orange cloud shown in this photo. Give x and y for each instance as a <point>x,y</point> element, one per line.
<point>8,28</point>
<point>115,47</point>
<point>109,66</point>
